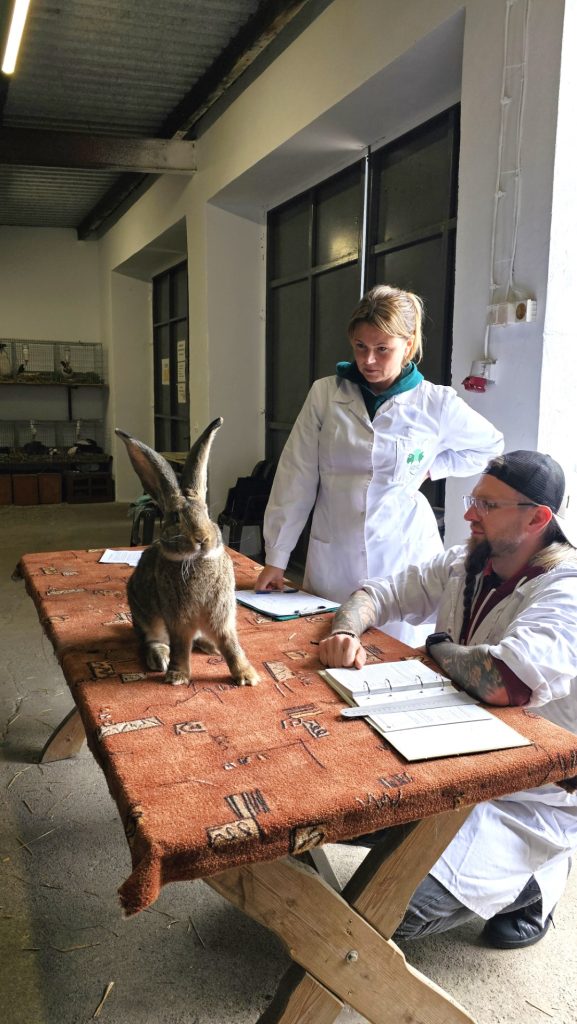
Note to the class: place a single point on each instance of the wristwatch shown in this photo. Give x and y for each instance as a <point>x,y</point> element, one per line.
<point>437,638</point>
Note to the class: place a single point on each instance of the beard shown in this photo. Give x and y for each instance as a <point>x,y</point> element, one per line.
<point>478,554</point>
<point>480,550</point>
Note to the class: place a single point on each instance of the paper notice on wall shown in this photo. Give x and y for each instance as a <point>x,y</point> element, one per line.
<point>165,371</point>
<point>181,394</point>
<point>181,372</point>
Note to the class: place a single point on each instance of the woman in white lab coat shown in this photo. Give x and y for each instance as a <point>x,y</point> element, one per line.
<point>362,445</point>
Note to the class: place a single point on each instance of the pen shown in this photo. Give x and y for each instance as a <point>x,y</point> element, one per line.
<point>289,590</point>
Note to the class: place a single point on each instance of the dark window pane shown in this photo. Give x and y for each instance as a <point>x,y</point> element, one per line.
<point>289,234</point>
<point>336,295</point>
<point>339,214</point>
<point>289,325</point>
<point>162,440</point>
<point>276,442</point>
<point>421,269</point>
<point>181,436</point>
<point>413,184</point>
<point>161,303</point>
<point>179,305</point>
<point>171,397</point>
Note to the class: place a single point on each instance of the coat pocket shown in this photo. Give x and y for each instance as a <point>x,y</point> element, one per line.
<point>413,458</point>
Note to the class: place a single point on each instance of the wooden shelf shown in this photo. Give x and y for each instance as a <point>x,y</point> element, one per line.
<point>19,382</point>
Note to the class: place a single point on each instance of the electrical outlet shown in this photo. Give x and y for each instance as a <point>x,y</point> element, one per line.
<point>486,368</point>
<point>524,311</point>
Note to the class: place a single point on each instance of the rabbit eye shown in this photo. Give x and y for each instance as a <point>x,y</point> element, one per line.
<point>172,519</point>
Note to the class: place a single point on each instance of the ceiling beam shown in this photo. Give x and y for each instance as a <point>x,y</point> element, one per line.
<point>41,148</point>
<point>271,17</point>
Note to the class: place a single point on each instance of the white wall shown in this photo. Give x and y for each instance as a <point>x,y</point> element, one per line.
<point>49,286</point>
<point>235,260</point>
<point>513,402</point>
<point>131,393</point>
<point>559,377</point>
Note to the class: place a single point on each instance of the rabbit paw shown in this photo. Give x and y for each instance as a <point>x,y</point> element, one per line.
<point>157,656</point>
<point>247,676</point>
<point>176,678</point>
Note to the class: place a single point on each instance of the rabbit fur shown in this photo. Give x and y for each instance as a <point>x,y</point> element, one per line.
<point>181,594</point>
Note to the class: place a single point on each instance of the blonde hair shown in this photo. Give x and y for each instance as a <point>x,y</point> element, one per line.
<point>392,311</point>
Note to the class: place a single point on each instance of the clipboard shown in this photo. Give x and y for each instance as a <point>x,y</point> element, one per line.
<point>281,605</point>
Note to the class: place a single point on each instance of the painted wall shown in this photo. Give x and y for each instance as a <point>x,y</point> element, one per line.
<point>131,390</point>
<point>559,376</point>
<point>512,403</point>
<point>49,286</point>
<point>237,373</point>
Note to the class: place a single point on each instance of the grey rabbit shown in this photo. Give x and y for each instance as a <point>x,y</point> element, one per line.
<point>181,593</point>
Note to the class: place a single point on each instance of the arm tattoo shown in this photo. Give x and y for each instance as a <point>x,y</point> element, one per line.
<point>356,614</point>
<point>474,670</point>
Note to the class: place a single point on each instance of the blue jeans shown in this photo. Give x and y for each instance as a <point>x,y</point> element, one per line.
<point>434,909</point>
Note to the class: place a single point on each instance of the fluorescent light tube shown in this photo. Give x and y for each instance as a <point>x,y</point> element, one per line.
<point>15,35</point>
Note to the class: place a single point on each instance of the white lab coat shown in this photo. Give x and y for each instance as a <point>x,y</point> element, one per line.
<point>534,631</point>
<point>363,479</point>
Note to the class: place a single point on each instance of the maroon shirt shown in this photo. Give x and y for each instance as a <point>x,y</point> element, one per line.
<point>491,592</point>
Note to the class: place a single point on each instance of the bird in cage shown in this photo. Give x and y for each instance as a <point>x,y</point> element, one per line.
<point>66,363</point>
<point>85,446</point>
<point>23,368</point>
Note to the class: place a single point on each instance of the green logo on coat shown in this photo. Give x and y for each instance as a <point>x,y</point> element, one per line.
<point>415,457</point>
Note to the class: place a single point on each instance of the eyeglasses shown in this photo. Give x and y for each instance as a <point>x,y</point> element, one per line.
<point>483,506</point>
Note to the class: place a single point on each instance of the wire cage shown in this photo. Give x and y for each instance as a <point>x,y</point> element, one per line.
<point>51,362</point>
<point>69,433</point>
<point>35,432</point>
<point>7,436</point>
<point>81,363</point>
<point>33,359</point>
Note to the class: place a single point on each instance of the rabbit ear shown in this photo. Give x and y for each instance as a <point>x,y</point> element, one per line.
<point>195,473</point>
<point>157,477</point>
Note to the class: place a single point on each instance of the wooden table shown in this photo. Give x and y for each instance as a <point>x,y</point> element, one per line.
<point>242,786</point>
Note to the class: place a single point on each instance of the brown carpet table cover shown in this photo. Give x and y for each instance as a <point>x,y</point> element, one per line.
<point>212,777</point>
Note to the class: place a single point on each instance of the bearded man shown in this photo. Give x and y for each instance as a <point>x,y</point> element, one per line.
<point>506,632</point>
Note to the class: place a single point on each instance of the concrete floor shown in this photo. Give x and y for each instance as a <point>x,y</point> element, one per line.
<point>192,958</point>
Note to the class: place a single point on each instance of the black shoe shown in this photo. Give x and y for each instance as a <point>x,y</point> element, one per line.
<point>518,928</point>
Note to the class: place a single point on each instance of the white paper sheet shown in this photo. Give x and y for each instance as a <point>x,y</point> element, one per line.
<point>458,738</point>
<point>386,677</point>
<point>129,557</point>
<point>285,604</point>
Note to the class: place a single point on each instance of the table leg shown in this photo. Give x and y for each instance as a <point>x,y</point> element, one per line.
<point>383,884</point>
<point>341,951</point>
<point>299,999</point>
<point>317,858</point>
<point>66,740</point>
